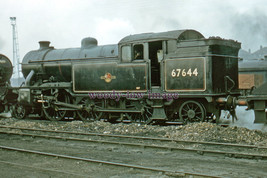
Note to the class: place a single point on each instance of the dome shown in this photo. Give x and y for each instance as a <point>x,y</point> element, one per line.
<point>89,42</point>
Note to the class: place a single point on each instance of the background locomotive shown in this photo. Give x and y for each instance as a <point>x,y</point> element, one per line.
<point>252,81</point>
<point>6,71</point>
<point>252,73</point>
<point>145,71</point>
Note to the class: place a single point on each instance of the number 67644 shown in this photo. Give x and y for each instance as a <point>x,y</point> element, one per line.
<point>183,72</point>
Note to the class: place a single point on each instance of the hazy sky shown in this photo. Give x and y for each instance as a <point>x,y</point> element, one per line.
<point>66,22</point>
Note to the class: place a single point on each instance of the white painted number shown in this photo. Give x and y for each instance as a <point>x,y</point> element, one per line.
<point>195,72</point>
<point>189,72</point>
<point>173,73</point>
<point>179,71</point>
<point>184,72</point>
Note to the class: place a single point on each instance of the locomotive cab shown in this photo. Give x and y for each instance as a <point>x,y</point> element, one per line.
<point>153,49</point>
<point>150,53</point>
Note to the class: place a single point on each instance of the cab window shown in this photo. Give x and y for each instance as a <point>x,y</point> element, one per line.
<point>138,51</point>
<point>126,54</point>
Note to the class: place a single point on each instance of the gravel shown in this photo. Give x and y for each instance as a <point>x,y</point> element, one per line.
<point>193,131</point>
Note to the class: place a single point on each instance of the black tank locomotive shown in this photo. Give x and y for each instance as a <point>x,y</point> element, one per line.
<point>134,80</point>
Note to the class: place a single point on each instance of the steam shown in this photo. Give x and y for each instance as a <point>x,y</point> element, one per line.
<point>5,115</point>
<point>251,29</point>
<point>245,119</point>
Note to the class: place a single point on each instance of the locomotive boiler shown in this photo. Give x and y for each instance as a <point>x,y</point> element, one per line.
<point>176,76</point>
<point>6,70</point>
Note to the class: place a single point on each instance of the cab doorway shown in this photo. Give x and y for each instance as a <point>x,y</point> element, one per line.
<point>154,48</point>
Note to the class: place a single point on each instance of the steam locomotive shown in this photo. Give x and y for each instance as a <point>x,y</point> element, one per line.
<point>174,76</point>
<point>6,71</point>
<point>253,82</point>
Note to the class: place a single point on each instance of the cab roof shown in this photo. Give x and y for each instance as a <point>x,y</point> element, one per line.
<point>187,34</point>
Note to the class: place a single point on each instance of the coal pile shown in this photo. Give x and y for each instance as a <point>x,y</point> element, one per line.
<point>194,131</point>
<point>214,133</point>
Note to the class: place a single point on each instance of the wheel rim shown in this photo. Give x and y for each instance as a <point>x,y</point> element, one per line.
<point>192,111</point>
<point>19,111</point>
<point>53,112</point>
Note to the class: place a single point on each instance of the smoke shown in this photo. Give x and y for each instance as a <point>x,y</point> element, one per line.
<point>245,119</point>
<point>250,28</point>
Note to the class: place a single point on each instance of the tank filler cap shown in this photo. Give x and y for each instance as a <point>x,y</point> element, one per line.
<point>44,44</point>
<point>89,42</point>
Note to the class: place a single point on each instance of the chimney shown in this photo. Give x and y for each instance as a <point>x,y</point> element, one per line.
<point>44,44</point>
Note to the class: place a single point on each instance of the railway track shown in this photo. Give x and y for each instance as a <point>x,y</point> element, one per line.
<point>171,144</point>
<point>166,172</point>
<point>67,173</point>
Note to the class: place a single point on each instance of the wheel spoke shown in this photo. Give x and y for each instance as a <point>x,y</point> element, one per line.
<point>184,110</point>
<point>196,108</point>
<point>188,108</point>
<point>199,112</point>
